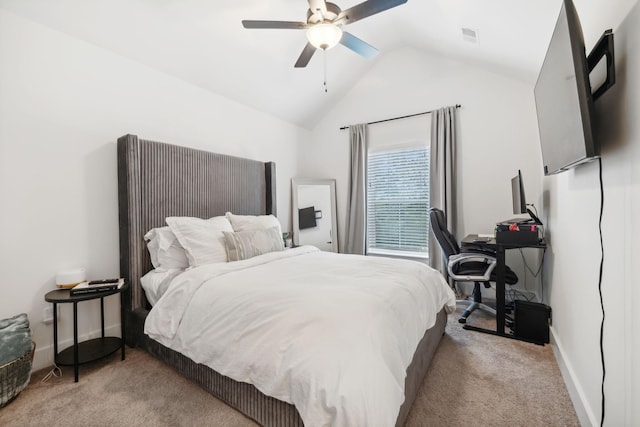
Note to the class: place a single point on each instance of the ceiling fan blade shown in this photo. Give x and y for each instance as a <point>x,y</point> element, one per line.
<point>288,25</point>
<point>368,8</point>
<point>305,56</point>
<point>358,46</point>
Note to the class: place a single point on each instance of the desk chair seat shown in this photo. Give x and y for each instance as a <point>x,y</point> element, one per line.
<point>476,264</point>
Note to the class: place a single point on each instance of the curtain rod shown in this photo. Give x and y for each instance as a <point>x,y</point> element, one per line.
<point>398,118</point>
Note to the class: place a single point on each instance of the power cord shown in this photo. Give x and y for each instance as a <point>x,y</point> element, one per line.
<point>539,269</point>
<point>54,372</point>
<point>600,290</point>
<point>530,270</point>
<point>537,219</point>
<point>512,295</point>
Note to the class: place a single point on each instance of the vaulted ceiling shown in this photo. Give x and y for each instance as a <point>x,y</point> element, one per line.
<point>204,42</point>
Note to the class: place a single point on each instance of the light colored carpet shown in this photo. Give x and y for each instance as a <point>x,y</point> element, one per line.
<point>475,380</point>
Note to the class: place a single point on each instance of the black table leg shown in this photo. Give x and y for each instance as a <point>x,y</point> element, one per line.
<point>500,277</point>
<point>55,332</point>
<point>76,358</point>
<point>122,317</point>
<point>500,303</point>
<point>102,315</point>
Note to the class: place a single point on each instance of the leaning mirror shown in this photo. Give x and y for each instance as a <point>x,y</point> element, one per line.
<point>314,213</point>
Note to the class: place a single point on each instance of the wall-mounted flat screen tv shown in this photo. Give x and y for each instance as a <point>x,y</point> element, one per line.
<point>307,218</point>
<point>564,102</point>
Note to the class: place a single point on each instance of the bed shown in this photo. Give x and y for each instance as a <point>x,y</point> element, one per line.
<point>158,180</point>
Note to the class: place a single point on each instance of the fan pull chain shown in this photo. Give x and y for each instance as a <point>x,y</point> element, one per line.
<point>325,69</point>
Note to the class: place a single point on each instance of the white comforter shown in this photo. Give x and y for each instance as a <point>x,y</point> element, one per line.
<point>332,334</point>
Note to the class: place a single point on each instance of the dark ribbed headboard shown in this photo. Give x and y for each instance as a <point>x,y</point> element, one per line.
<point>157,180</point>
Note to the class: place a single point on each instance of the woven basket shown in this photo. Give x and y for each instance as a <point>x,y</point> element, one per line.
<point>15,375</point>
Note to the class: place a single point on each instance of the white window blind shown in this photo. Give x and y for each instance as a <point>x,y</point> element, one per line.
<point>398,201</point>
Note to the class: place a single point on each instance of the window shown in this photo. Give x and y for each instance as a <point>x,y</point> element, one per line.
<point>398,202</point>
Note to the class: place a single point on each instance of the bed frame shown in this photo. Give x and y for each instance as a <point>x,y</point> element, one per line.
<point>157,180</point>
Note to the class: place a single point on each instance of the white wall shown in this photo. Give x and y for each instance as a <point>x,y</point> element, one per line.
<point>63,104</point>
<point>497,133</point>
<point>572,206</point>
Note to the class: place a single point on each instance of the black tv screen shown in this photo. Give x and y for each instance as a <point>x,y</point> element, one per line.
<point>564,103</point>
<point>306,218</point>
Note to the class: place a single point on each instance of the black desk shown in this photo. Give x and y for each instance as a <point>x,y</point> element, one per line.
<point>86,351</point>
<point>500,248</point>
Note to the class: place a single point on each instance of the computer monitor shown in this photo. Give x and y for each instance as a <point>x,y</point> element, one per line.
<point>517,195</point>
<point>519,200</point>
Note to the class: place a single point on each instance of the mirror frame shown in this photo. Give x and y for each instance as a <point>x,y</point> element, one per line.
<point>295,182</point>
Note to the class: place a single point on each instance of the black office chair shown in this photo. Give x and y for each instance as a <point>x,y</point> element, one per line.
<point>476,264</point>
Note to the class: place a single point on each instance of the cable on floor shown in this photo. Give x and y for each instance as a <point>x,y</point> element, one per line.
<point>54,372</point>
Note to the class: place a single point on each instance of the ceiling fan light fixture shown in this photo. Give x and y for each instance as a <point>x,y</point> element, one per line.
<point>324,35</point>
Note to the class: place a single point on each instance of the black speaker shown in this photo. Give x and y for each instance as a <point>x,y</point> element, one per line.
<point>531,321</point>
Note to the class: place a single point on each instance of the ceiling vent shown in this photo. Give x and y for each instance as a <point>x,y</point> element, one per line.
<point>470,35</point>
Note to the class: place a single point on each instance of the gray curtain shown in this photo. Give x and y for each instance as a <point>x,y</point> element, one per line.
<point>442,176</point>
<point>356,227</point>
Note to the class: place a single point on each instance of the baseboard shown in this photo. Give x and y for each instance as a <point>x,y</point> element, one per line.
<point>584,412</point>
<point>43,356</point>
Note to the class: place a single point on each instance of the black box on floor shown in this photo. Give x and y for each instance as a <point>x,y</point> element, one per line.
<point>531,321</point>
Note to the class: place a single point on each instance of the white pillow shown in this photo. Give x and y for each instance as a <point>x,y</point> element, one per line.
<point>165,249</point>
<point>156,282</point>
<point>202,239</point>
<point>253,222</point>
<point>249,243</point>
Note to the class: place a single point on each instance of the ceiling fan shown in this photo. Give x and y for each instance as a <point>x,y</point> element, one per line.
<point>324,26</point>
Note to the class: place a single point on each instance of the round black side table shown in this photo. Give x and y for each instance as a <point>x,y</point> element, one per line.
<point>90,350</point>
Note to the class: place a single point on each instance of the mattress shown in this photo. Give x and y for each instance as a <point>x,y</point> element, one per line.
<point>332,334</point>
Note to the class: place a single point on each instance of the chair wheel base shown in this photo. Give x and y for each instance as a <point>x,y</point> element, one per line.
<point>462,320</point>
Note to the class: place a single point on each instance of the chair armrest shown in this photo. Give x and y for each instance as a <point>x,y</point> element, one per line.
<point>470,256</point>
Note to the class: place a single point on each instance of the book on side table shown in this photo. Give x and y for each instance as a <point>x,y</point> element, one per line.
<point>94,286</point>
